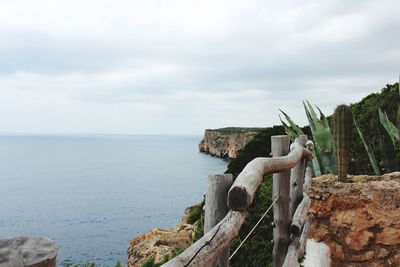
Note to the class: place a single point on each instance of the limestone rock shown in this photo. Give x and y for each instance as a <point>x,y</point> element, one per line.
<point>319,231</point>
<point>363,257</point>
<point>336,251</point>
<point>358,240</point>
<point>160,243</point>
<point>388,236</point>
<point>382,253</point>
<point>225,145</point>
<point>359,220</point>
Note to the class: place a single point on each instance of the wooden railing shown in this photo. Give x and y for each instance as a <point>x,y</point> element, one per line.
<point>226,204</point>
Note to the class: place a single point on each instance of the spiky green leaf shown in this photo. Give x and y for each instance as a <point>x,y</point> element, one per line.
<point>390,128</point>
<point>312,112</point>
<point>318,125</point>
<point>292,124</point>
<point>324,120</point>
<point>309,118</point>
<point>288,130</point>
<point>368,148</point>
<point>315,163</point>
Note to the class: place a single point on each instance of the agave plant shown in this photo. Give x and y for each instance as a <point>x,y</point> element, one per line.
<point>323,154</point>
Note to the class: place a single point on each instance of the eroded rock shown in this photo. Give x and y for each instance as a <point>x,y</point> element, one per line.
<point>358,240</point>
<point>225,145</point>
<point>359,220</point>
<point>388,236</point>
<point>160,243</point>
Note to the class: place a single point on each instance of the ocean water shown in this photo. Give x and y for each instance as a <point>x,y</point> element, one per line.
<point>93,193</point>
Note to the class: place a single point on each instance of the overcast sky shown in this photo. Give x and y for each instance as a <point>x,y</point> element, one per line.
<point>168,67</point>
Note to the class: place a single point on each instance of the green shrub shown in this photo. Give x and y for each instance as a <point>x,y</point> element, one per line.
<point>150,262</point>
<point>196,213</point>
<point>199,230</point>
<point>367,116</point>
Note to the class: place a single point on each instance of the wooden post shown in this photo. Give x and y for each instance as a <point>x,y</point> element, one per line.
<point>216,208</point>
<point>28,251</point>
<point>297,179</point>
<point>281,187</point>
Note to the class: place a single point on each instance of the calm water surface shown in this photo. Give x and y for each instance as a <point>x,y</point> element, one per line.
<point>93,193</point>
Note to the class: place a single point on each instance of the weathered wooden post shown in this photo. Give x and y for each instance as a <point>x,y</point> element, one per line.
<point>297,178</point>
<point>215,210</point>
<point>28,251</point>
<point>281,188</point>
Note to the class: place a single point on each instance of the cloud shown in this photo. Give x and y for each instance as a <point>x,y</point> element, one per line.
<point>182,66</point>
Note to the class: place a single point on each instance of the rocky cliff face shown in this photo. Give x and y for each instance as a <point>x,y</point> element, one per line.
<point>160,243</point>
<point>224,145</point>
<point>359,221</point>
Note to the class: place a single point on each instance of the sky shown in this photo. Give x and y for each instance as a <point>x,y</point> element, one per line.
<point>181,66</point>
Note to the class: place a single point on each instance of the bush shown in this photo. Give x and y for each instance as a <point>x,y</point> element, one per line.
<point>366,114</point>
<point>150,262</point>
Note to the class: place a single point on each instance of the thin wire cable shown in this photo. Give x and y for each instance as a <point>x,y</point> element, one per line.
<point>255,226</point>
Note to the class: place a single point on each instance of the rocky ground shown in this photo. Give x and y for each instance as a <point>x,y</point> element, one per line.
<point>159,243</point>
<point>360,220</point>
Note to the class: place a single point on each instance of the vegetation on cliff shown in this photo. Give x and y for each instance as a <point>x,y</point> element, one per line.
<point>366,114</point>
<point>233,130</point>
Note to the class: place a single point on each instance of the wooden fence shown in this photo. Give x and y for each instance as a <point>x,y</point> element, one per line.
<point>227,201</point>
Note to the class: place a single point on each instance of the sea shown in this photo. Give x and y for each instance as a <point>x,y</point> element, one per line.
<point>93,193</point>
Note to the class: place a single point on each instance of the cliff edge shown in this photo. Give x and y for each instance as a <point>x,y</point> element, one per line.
<point>226,142</point>
<point>159,245</point>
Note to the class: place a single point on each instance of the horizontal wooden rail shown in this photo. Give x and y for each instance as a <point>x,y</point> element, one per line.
<point>207,248</point>
<point>242,192</point>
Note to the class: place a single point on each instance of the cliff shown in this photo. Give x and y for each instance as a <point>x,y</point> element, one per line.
<point>226,142</point>
<point>359,221</point>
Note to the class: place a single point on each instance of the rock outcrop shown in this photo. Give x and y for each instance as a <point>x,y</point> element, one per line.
<point>359,221</point>
<point>225,144</point>
<point>161,243</point>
